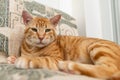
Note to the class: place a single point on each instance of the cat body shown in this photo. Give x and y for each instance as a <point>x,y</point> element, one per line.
<point>94,56</point>
<point>43,48</point>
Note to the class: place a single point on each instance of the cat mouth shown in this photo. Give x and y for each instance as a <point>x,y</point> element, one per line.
<point>41,43</point>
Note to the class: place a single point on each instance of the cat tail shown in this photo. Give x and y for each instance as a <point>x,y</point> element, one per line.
<point>3,58</point>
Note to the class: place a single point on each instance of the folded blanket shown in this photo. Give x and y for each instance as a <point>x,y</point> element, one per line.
<point>10,72</point>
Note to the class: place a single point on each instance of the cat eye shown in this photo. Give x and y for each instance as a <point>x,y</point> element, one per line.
<point>34,29</point>
<point>47,30</point>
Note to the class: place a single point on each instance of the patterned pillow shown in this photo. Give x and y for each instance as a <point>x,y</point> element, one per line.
<point>3,43</point>
<point>12,27</point>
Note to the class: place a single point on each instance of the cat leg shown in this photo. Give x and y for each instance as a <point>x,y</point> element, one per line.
<point>65,66</point>
<point>22,62</point>
<point>106,62</point>
<point>37,62</point>
<point>100,71</point>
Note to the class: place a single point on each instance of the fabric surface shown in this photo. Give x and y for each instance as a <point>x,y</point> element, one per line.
<point>10,72</point>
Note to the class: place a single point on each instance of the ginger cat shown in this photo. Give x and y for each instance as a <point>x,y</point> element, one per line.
<point>43,48</point>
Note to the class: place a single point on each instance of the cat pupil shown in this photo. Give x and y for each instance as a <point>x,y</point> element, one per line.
<point>47,30</point>
<point>34,29</point>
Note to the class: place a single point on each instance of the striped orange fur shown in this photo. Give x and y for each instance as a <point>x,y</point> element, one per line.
<point>43,48</point>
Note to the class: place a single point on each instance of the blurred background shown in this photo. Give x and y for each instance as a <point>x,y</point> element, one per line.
<point>94,18</point>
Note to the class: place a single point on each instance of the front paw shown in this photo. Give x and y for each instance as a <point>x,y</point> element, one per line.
<point>68,66</point>
<point>24,62</point>
<point>11,59</point>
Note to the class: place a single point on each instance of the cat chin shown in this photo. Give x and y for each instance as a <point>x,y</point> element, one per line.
<point>40,45</point>
<point>35,44</point>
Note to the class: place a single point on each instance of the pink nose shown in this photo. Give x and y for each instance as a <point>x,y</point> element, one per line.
<point>41,38</point>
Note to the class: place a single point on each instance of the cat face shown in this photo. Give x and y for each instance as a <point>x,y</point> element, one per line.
<point>39,31</point>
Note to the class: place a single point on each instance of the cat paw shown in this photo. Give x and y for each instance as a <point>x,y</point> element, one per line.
<point>67,66</point>
<point>11,59</point>
<point>25,62</point>
<point>22,62</point>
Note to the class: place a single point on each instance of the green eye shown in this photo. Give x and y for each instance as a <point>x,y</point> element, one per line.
<point>47,30</point>
<point>34,29</point>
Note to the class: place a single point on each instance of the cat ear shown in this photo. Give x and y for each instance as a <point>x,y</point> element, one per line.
<point>26,17</point>
<point>54,20</point>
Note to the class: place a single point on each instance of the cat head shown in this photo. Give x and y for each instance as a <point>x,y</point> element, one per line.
<point>39,31</point>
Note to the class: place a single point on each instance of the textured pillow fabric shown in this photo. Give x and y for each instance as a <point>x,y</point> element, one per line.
<point>12,27</point>
<point>3,43</point>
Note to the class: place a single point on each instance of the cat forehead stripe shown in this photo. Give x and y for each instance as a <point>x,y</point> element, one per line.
<point>41,23</point>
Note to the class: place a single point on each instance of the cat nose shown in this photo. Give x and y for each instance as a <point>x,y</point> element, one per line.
<point>41,38</point>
